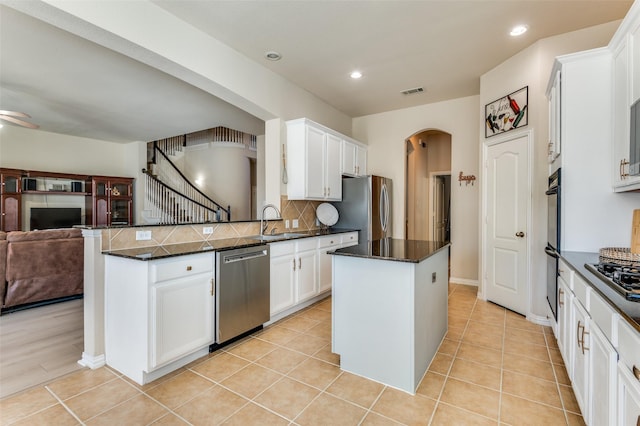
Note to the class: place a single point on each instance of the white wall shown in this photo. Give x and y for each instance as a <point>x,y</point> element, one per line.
<point>51,152</point>
<point>385,135</point>
<point>532,67</point>
<point>225,172</point>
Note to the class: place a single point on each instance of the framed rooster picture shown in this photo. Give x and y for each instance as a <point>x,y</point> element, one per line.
<point>507,113</point>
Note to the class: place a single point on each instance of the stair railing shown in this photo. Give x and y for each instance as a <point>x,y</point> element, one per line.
<point>174,181</point>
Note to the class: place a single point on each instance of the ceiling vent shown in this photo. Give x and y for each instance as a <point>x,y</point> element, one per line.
<point>412,91</point>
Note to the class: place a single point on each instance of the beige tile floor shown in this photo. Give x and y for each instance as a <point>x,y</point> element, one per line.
<point>493,367</point>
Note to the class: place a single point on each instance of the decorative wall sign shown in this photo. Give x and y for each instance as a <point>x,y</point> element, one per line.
<point>507,113</point>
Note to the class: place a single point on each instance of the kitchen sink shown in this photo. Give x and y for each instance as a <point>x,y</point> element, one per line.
<point>273,237</point>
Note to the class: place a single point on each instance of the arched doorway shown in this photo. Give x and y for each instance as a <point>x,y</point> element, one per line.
<point>428,186</point>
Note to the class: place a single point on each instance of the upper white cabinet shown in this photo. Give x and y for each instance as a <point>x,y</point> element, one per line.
<point>354,158</point>
<point>625,47</point>
<point>553,95</point>
<point>316,163</point>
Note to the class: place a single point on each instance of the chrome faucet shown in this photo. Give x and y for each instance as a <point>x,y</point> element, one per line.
<point>263,227</point>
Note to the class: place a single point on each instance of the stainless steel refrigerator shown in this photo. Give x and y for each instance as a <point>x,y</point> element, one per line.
<point>366,206</point>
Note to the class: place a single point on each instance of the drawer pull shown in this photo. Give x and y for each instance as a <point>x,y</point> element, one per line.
<point>189,268</point>
<point>636,372</point>
<point>560,297</point>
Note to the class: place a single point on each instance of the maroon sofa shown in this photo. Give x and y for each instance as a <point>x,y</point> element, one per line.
<point>40,266</point>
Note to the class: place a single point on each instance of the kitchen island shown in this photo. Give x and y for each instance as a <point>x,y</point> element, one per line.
<point>390,308</point>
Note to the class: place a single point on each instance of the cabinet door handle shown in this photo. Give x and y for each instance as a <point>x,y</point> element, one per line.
<point>189,268</point>
<point>584,331</point>
<point>299,263</point>
<point>213,286</point>
<point>294,264</point>
<point>636,372</point>
<point>560,296</point>
<point>623,163</point>
<point>578,333</point>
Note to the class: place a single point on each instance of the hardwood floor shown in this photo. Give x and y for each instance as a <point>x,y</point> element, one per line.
<point>40,344</point>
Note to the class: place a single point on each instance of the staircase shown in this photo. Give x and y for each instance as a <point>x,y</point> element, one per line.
<point>170,198</point>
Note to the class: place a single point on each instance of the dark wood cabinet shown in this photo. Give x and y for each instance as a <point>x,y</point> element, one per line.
<point>111,201</point>
<point>107,201</point>
<point>10,200</point>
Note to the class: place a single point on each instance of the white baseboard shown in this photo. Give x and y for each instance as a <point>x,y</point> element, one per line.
<point>293,309</point>
<point>463,281</point>
<point>92,362</point>
<point>539,319</point>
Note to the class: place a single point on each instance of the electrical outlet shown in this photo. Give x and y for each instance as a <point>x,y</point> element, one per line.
<point>207,230</point>
<point>295,223</point>
<point>286,224</point>
<point>143,235</point>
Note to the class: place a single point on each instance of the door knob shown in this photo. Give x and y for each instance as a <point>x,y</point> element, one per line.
<point>520,234</point>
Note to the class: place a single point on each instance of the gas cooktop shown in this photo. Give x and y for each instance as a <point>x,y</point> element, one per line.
<point>624,279</point>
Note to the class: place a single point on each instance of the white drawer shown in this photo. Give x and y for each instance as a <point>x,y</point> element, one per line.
<point>182,266</point>
<point>329,241</point>
<point>350,238</point>
<point>603,315</point>
<point>282,249</point>
<point>581,290</point>
<point>304,244</point>
<point>566,273</point>
<point>628,344</point>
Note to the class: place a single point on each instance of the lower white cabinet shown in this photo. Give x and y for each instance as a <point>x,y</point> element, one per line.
<point>602,377</point>
<point>159,314</point>
<point>564,319</point>
<point>301,269</point>
<point>628,408</point>
<point>601,353</point>
<point>580,355</point>
<point>282,279</point>
<point>182,317</point>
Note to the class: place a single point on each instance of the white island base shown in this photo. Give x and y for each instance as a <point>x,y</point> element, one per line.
<point>389,317</point>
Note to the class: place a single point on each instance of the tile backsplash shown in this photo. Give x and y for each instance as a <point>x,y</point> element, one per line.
<point>124,238</point>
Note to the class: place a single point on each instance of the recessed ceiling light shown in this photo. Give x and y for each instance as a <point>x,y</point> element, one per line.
<point>518,30</point>
<point>356,75</point>
<point>273,56</point>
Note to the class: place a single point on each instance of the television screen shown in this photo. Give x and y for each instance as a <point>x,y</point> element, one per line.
<point>55,217</point>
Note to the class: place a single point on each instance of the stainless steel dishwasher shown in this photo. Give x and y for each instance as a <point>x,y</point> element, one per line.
<point>242,291</point>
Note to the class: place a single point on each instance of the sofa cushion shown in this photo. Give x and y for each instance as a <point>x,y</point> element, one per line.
<point>43,270</point>
<point>3,235</point>
<point>46,234</point>
<point>3,269</point>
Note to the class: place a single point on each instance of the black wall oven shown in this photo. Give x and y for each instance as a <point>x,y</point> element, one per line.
<point>553,240</point>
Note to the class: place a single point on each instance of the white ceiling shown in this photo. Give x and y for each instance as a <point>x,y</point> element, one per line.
<point>72,86</point>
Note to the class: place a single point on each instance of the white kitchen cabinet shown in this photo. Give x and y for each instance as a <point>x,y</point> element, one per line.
<point>159,314</point>
<point>628,408</point>
<point>314,155</point>
<point>628,374</point>
<point>354,158</point>
<point>553,96</point>
<point>580,340</point>
<point>282,276</point>
<point>182,317</point>
<point>625,47</point>
<point>602,379</point>
<point>565,297</point>
<point>327,244</point>
<point>294,273</point>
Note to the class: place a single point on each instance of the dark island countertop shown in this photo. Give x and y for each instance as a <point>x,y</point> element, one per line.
<point>629,310</point>
<point>182,249</point>
<point>398,250</point>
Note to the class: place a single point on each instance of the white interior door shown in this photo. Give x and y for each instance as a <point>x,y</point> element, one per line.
<point>507,207</point>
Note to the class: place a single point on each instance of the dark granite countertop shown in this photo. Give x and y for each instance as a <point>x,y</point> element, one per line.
<point>413,251</point>
<point>172,250</point>
<point>629,310</point>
